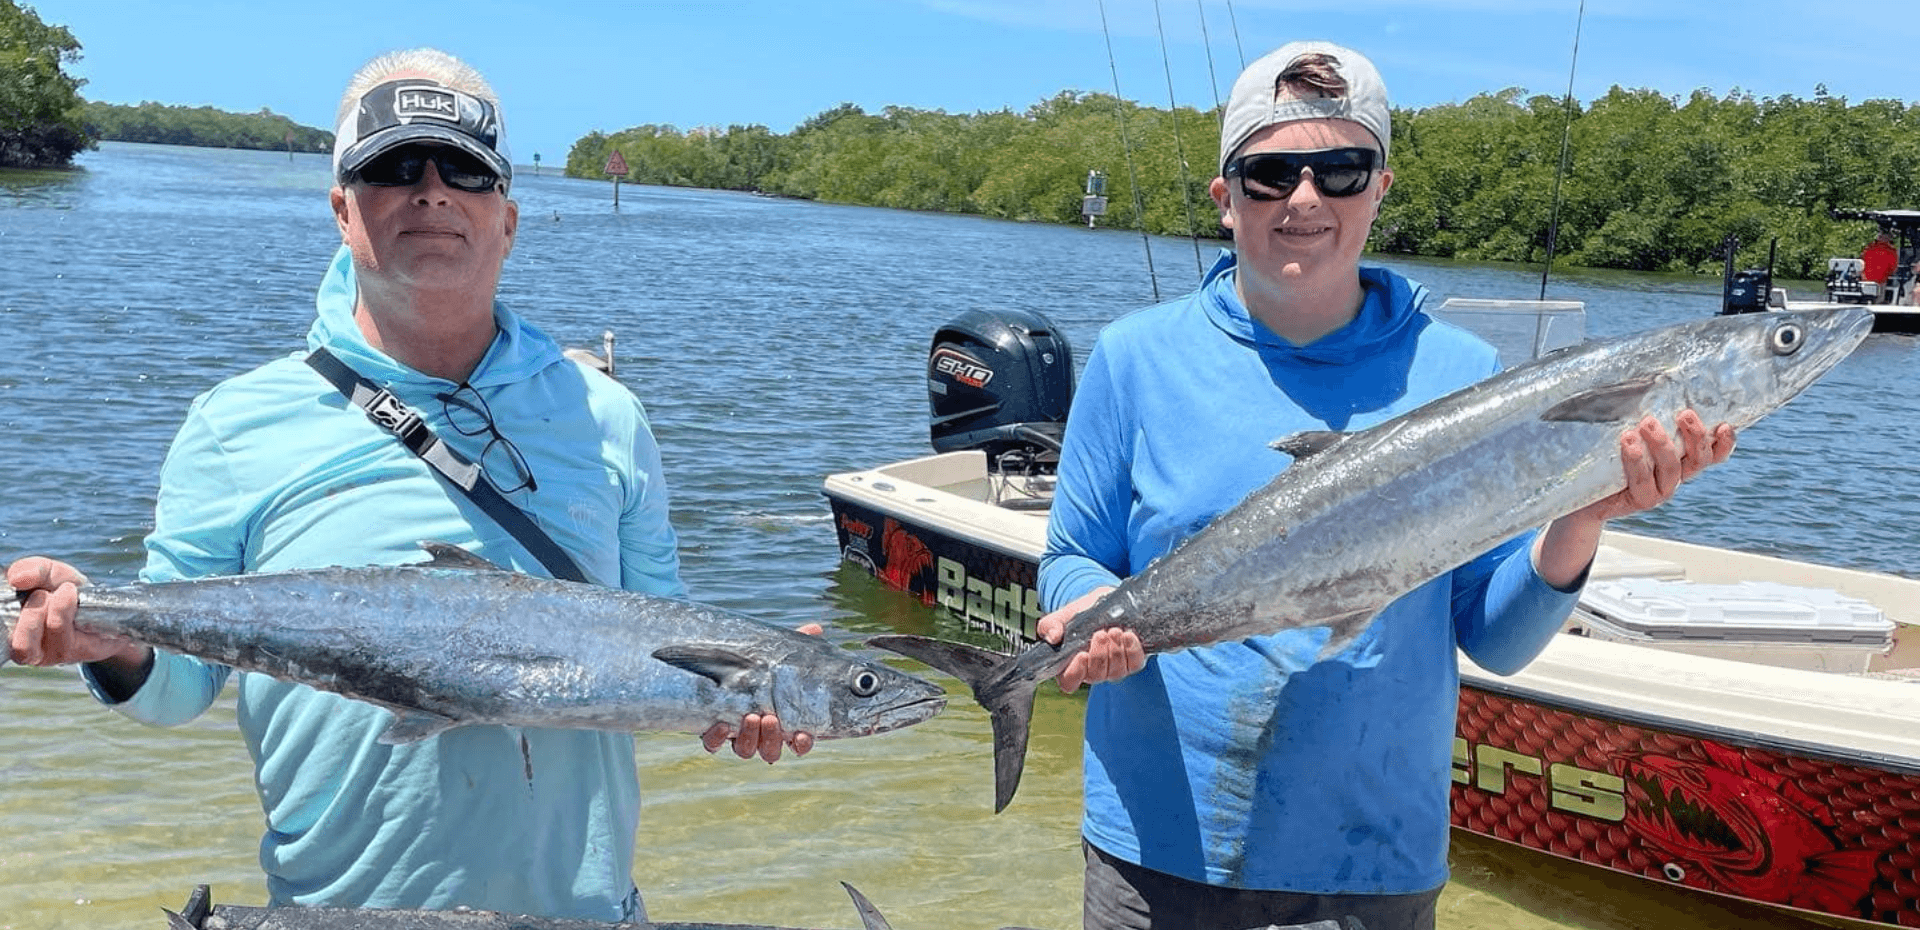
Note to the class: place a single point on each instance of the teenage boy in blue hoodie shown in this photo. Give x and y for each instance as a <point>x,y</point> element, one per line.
<point>1246,784</point>
<point>273,470</point>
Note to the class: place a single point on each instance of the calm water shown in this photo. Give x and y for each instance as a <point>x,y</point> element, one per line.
<point>773,341</point>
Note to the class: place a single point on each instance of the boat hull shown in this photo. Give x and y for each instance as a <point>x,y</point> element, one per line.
<point>1899,321</point>
<point>987,589</point>
<point>1722,813</point>
<point>1587,755</point>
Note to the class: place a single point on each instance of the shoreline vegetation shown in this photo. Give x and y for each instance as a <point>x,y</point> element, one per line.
<point>202,126</point>
<point>1652,183</point>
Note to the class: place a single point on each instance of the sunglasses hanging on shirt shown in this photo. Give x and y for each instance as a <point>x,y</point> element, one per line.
<point>467,412</point>
<point>1341,172</point>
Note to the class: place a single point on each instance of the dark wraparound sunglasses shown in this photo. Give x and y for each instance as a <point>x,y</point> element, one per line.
<point>404,166</point>
<point>1274,175</point>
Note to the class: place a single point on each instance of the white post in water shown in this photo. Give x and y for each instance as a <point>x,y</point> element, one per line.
<point>1095,202</point>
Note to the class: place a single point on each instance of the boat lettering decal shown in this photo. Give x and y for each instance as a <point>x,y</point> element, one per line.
<point>1011,609</point>
<point>961,367</point>
<point>855,526</point>
<point>1570,788</point>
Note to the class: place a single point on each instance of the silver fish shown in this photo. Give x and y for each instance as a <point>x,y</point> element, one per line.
<point>457,640</point>
<point>1361,518</point>
<point>201,913</point>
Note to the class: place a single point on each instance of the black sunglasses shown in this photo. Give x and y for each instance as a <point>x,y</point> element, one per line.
<point>404,166</point>
<point>469,414</point>
<point>1274,175</point>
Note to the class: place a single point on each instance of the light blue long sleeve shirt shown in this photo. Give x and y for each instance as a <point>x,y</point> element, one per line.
<point>1251,764</point>
<point>273,470</point>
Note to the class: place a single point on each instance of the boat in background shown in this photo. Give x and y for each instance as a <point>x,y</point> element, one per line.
<point>1724,721</point>
<point>1751,290</point>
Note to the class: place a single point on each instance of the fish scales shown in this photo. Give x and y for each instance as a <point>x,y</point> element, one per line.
<point>1360,519</point>
<point>459,641</point>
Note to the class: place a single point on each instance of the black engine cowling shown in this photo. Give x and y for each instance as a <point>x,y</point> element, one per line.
<point>1001,381</point>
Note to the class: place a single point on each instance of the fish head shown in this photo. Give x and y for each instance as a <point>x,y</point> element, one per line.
<point>1741,367</point>
<point>832,693</point>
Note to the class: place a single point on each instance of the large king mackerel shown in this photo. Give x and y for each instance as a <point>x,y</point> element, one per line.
<point>1359,519</point>
<point>457,641</point>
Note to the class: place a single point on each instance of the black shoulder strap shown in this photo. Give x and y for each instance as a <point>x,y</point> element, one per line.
<point>391,414</point>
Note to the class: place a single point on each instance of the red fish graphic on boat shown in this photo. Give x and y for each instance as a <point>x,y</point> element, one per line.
<point>907,561</point>
<point>1731,826</point>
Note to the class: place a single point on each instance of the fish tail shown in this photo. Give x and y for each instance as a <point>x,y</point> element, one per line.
<point>1012,711</point>
<point>1007,698</point>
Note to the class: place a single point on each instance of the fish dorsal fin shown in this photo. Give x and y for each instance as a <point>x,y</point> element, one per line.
<point>1307,442</point>
<point>448,555</point>
<point>728,669</point>
<point>410,726</point>
<point>1611,403</point>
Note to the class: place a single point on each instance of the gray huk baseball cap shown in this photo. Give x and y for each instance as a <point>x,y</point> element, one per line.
<point>406,110</point>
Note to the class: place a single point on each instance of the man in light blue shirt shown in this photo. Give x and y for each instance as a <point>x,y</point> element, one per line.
<point>274,470</point>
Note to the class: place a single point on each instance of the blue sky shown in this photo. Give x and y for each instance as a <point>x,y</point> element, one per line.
<point>567,67</point>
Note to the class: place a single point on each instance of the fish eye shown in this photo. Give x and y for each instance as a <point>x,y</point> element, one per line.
<point>1786,338</point>
<point>865,683</point>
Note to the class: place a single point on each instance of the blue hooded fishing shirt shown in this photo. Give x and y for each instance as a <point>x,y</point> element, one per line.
<point>1254,764</point>
<point>273,470</point>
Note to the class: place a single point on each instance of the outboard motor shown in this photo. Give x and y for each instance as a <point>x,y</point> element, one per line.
<point>1746,291</point>
<point>1001,381</point>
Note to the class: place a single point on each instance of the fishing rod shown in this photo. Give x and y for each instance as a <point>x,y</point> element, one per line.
<point>1179,146</point>
<point>1133,173</point>
<point>1566,136</point>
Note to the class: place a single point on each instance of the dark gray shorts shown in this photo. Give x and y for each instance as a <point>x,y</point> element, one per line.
<point>1124,896</point>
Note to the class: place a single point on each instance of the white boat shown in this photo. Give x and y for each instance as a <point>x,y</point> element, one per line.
<point>1892,301</point>
<point>1730,722</point>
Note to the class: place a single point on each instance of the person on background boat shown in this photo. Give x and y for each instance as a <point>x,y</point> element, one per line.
<point>275,470</point>
<point>1877,262</point>
<point>1247,784</point>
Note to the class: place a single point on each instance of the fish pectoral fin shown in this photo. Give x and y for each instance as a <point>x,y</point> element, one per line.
<point>728,668</point>
<point>1343,630</point>
<point>1307,442</point>
<point>448,555</point>
<point>1612,403</point>
<point>411,726</point>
